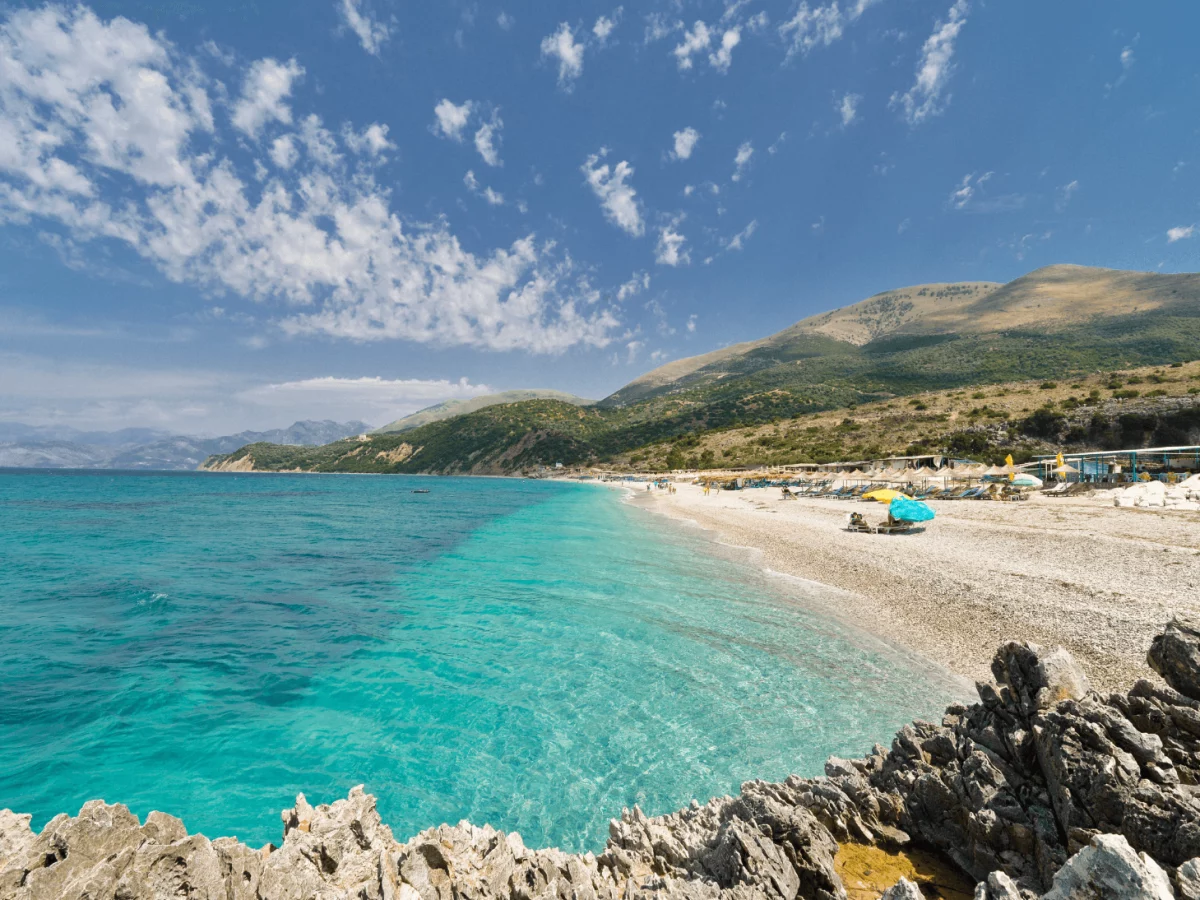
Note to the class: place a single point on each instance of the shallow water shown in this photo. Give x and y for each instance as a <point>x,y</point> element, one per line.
<point>533,655</point>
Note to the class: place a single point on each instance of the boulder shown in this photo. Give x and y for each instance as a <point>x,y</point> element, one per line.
<point>1187,880</point>
<point>999,886</point>
<point>1109,867</point>
<point>903,890</point>
<point>1175,655</point>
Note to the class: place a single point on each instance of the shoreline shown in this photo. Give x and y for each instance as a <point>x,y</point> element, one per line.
<point>1073,572</point>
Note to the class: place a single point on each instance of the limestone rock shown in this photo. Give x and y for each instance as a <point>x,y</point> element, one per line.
<point>1109,867</point>
<point>1060,678</point>
<point>1175,655</point>
<point>999,886</point>
<point>1187,880</point>
<point>903,890</point>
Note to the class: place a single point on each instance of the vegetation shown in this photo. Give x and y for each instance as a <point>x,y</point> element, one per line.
<point>788,398</point>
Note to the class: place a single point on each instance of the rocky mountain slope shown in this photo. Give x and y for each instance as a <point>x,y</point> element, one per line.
<point>1043,788</point>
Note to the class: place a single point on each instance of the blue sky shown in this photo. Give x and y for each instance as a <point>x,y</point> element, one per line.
<point>223,215</point>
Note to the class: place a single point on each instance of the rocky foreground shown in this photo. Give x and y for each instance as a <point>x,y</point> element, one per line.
<point>1043,789</point>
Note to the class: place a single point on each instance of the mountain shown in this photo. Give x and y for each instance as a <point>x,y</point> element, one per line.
<point>1054,323</point>
<point>146,448</point>
<point>1057,318</point>
<point>451,408</point>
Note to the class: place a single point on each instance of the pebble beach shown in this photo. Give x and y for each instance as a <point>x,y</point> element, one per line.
<point>1076,572</point>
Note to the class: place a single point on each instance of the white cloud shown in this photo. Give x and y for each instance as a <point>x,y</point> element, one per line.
<point>1180,233</point>
<point>742,160</point>
<point>371,34</point>
<point>267,86</point>
<point>818,227</point>
<point>962,195</point>
<point>634,286</point>
<point>658,26</point>
<point>738,241</point>
<point>1065,193</point>
<point>669,251</point>
<point>486,139</point>
<point>372,399</point>
<point>848,108</point>
<point>693,42</point>
<point>1127,58</point>
<point>505,21</point>
<point>779,142</point>
<point>691,323</point>
<point>820,26</point>
<point>451,120</point>
<point>722,59</point>
<point>605,25</point>
<point>617,197</point>
<point>371,141</point>
<point>562,46</point>
<point>494,198</point>
<point>136,160</point>
<point>904,226</point>
<point>924,99</point>
<point>283,152</point>
<point>685,143</point>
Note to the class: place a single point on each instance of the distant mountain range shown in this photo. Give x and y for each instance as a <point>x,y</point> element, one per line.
<point>59,447</point>
<point>451,408</point>
<point>1054,323</point>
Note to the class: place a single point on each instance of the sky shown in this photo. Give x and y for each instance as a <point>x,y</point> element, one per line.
<point>222,215</point>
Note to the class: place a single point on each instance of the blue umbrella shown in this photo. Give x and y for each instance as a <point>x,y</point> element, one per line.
<point>903,510</point>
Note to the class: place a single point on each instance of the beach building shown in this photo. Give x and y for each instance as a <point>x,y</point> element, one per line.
<point>1128,465</point>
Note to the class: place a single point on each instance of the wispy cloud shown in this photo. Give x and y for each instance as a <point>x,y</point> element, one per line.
<point>669,250</point>
<point>927,96</point>
<point>371,33</point>
<point>134,120</point>
<point>1065,193</point>
<point>685,143</point>
<point>820,26</point>
<point>738,241</point>
<point>847,108</point>
<point>450,119</point>
<point>1179,233</point>
<point>562,47</point>
<point>741,161</point>
<point>693,42</point>
<point>617,197</point>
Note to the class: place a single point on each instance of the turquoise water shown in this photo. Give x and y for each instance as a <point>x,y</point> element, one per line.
<point>532,655</point>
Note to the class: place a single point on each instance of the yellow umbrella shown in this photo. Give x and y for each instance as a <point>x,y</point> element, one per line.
<point>1008,464</point>
<point>885,495</point>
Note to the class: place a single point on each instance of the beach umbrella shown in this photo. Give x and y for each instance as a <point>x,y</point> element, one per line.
<point>1064,469</point>
<point>1026,480</point>
<point>904,509</point>
<point>885,495</point>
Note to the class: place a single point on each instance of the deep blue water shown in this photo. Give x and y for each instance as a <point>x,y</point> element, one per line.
<point>533,655</point>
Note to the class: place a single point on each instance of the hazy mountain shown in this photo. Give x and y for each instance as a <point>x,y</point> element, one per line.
<point>135,448</point>
<point>451,408</point>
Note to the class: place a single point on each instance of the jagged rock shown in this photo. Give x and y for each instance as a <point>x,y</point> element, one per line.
<point>331,851</point>
<point>1060,678</point>
<point>1039,770</point>
<point>1187,880</point>
<point>1109,867</point>
<point>903,890</point>
<point>999,886</point>
<point>1175,655</point>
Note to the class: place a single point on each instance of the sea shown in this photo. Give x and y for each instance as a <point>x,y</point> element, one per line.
<point>533,655</point>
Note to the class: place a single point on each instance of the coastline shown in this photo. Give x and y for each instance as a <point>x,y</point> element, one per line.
<point>1077,572</point>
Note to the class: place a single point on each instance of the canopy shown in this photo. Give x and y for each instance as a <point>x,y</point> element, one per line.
<point>885,495</point>
<point>903,509</point>
<point>1025,480</point>
<point>1064,468</point>
<point>925,471</point>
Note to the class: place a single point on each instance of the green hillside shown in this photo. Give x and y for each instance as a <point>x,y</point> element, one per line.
<point>451,408</point>
<point>1060,323</point>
